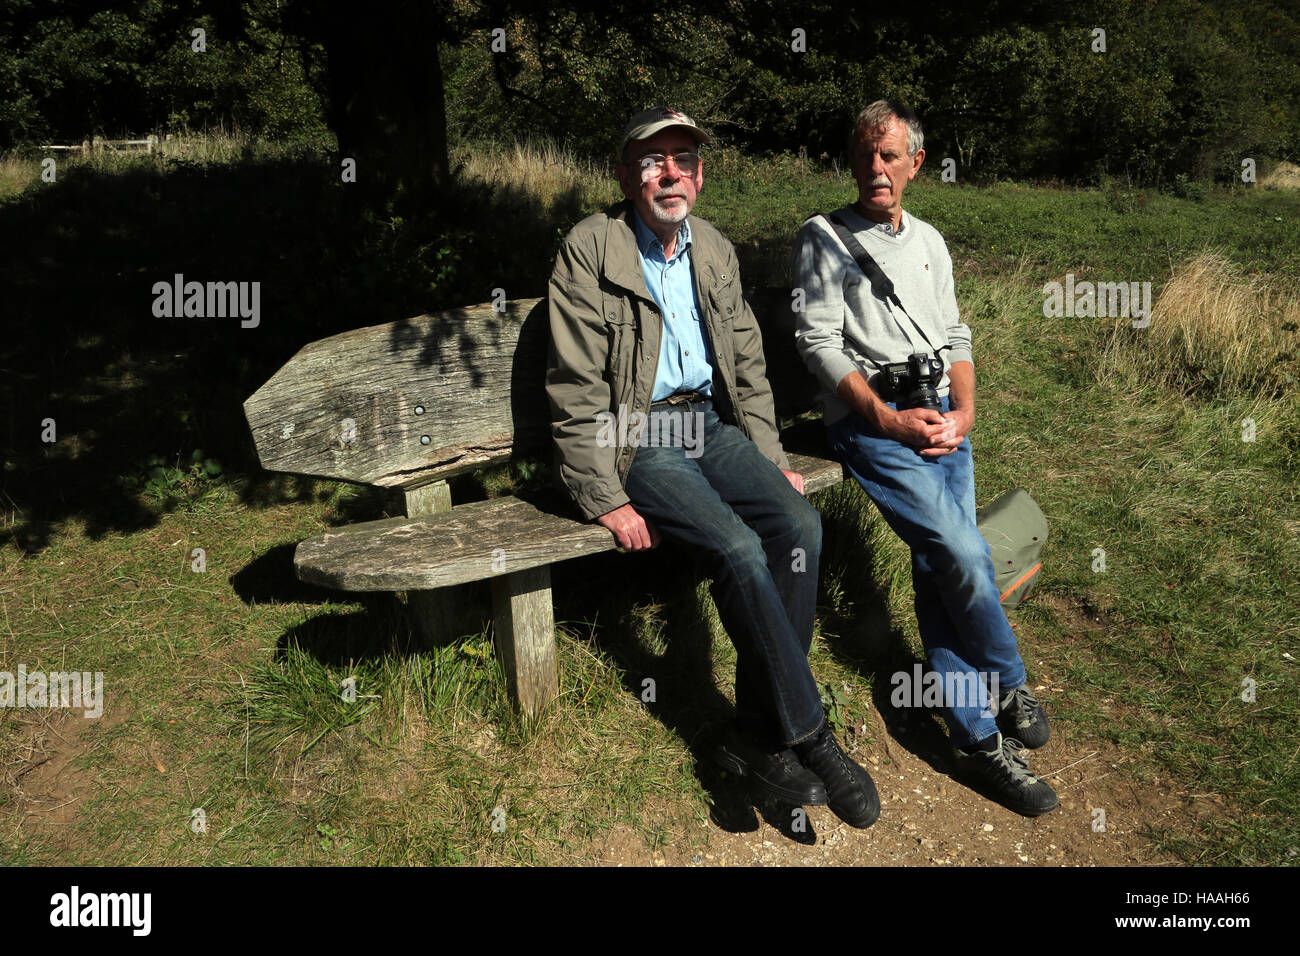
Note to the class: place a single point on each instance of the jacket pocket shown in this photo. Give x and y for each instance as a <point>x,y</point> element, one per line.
<point>728,317</point>
<point>621,333</point>
<point>724,294</point>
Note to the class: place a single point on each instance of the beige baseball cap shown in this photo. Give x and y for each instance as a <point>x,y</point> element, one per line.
<point>648,122</point>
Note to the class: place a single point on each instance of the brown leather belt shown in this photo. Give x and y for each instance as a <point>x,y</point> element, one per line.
<point>678,398</point>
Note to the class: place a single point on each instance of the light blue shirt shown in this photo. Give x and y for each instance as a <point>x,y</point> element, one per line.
<point>685,361</point>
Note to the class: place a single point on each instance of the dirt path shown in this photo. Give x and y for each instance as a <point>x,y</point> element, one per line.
<point>929,819</point>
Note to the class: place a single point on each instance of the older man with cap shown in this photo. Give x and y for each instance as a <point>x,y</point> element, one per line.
<point>648,324</point>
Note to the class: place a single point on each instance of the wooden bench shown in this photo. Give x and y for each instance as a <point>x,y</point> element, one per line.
<point>410,404</point>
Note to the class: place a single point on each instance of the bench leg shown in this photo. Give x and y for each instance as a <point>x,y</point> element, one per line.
<point>431,611</point>
<point>524,623</point>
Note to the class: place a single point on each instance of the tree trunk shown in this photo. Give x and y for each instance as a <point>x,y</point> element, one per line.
<point>384,85</point>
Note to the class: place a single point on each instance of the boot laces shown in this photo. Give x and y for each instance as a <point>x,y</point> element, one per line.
<point>1011,758</point>
<point>1023,704</point>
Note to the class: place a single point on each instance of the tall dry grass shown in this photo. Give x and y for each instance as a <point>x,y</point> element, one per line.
<point>21,169</point>
<point>1213,330</point>
<point>542,170</point>
<point>1282,176</point>
<point>16,174</point>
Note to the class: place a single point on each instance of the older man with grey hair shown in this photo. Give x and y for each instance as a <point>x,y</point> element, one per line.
<point>882,333</point>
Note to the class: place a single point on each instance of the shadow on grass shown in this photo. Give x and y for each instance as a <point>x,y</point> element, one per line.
<point>684,695</point>
<point>653,626</point>
<point>84,349</point>
<point>860,632</point>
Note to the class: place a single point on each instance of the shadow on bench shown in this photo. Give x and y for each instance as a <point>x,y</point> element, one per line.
<point>410,404</point>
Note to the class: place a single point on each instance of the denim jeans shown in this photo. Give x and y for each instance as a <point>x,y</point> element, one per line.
<point>760,542</point>
<point>930,504</point>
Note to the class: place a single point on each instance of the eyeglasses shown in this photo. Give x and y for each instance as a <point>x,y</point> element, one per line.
<point>657,163</point>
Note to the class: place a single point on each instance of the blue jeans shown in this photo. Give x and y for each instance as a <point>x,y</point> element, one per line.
<point>760,542</point>
<point>930,504</point>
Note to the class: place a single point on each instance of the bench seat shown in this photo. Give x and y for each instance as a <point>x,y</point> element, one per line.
<point>465,544</point>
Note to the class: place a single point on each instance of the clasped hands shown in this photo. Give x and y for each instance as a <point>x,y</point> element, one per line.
<point>930,432</point>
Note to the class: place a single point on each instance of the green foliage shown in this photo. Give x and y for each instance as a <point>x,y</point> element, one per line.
<point>133,70</point>
<point>1183,87</point>
<point>167,484</point>
<point>1187,188</point>
<point>1008,93</point>
<point>836,704</point>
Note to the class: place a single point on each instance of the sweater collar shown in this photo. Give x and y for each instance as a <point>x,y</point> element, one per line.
<point>862,224</point>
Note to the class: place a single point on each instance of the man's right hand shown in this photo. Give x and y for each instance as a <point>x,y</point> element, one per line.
<point>924,429</point>
<point>632,532</point>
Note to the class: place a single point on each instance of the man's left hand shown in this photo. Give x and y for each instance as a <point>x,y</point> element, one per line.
<point>795,479</point>
<point>960,420</point>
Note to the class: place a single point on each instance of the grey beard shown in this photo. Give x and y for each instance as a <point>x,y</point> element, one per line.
<point>668,218</point>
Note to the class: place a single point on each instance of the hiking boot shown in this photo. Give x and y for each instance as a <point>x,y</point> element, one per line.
<point>1021,716</point>
<point>774,773</point>
<point>1004,775</point>
<point>850,793</point>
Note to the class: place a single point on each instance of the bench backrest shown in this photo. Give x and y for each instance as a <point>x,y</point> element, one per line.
<point>407,403</point>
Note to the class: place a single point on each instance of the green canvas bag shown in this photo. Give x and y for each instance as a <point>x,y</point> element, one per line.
<point>1016,530</point>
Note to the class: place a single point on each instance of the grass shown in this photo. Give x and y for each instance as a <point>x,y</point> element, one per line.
<point>225,685</point>
<point>1283,175</point>
<point>21,170</point>
<point>1215,330</point>
<point>542,170</point>
<point>1194,598</point>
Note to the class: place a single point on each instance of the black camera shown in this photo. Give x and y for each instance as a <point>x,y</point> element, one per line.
<point>914,383</point>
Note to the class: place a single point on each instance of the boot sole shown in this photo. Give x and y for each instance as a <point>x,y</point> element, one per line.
<point>989,791</point>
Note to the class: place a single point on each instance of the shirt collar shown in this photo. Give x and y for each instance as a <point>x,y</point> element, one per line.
<point>886,227</point>
<point>648,242</point>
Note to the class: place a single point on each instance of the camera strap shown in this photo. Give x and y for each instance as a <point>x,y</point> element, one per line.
<point>881,285</point>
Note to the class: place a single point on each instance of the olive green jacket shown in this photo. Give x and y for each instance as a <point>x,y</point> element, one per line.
<point>605,330</point>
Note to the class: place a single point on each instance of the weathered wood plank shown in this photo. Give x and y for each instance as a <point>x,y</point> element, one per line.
<point>524,627</point>
<point>472,542</point>
<point>805,445</point>
<point>403,404</point>
<point>818,473</point>
<point>410,402</point>
<point>428,499</point>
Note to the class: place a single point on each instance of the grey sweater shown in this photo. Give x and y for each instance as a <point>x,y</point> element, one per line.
<point>843,324</point>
